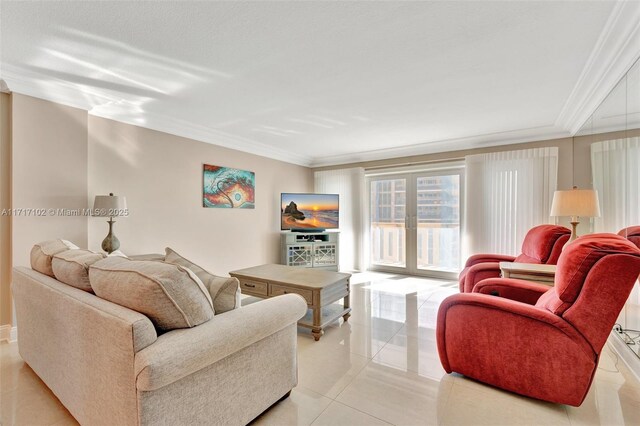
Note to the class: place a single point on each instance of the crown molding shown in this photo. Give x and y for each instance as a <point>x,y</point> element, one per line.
<point>535,134</point>
<point>615,52</point>
<point>68,95</point>
<point>179,128</point>
<point>4,88</point>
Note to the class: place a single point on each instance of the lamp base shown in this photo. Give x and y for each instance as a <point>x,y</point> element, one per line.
<point>110,242</point>
<point>574,232</point>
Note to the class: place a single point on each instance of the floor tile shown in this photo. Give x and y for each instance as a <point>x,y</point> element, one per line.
<point>33,407</point>
<point>301,408</point>
<point>357,338</point>
<point>328,372</point>
<point>396,396</point>
<point>412,354</point>
<point>340,415</point>
<point>472,403</point>
<point>605,405</point>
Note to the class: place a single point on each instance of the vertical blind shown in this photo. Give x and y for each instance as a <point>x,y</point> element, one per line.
<point>349,184</point>
<point>615,166</point>
<point>507,193</point>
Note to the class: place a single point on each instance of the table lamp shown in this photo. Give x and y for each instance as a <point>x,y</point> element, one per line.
<point>110,206</point>
<point>575,203</point>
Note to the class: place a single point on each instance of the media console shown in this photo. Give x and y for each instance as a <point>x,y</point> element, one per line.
<point>310,249</point>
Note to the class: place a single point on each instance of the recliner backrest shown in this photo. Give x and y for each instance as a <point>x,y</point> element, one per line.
<point>632,234</point>
<point>543,244</point>
<point>593,280</point>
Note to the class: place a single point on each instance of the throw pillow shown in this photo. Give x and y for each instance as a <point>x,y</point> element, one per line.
<point>225,292</point>
<point>42,254</point>
<point>72,267</point>
<point>170,295</point>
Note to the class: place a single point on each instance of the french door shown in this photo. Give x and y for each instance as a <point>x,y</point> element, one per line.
<point>414,222</point>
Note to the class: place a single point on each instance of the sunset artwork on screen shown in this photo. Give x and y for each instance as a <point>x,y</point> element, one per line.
<point>309,211</point>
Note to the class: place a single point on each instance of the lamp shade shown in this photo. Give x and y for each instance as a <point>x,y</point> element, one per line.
<point>575,202</point>
<point>109,205</point>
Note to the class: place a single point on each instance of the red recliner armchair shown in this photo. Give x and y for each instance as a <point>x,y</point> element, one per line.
<point>542,244</point>
<point>632,234</point>
<point>548,350</point>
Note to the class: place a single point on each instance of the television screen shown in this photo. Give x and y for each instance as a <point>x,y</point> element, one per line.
<point>309,211</point>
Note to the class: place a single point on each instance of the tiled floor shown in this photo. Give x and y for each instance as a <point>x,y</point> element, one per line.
<point>381,368</point>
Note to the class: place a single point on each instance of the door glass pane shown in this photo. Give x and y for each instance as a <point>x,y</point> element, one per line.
<point>388,212</point>
<point>438,223</point>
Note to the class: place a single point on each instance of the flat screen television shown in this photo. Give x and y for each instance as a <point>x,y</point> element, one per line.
<point>309,212</point>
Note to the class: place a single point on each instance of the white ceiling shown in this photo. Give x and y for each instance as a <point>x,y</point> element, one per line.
<point>316,83</point>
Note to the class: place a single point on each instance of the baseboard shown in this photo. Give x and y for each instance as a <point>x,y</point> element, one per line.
<point>625,354</point>
<point>8,333</point>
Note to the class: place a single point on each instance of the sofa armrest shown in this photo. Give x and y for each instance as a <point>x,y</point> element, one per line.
<point>484,258</point>
<point>180,353</point>
<point>519,290</point>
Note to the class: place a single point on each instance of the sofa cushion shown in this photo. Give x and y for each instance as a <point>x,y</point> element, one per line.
<point>225,292</point>
<point>72,267</point>
<point>42,254</point>
<point>170,295</point>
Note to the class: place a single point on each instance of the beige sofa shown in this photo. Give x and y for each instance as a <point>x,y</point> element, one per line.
<point>107,364</point>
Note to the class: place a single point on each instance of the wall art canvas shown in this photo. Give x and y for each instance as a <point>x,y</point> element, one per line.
<point>229,188</point>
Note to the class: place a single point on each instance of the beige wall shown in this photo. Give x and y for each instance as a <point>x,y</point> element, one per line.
<point>161,176</point>
<point>5,203</point>
<point>49,171</point>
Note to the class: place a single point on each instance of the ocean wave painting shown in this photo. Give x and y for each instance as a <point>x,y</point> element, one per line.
<point>224,187</point>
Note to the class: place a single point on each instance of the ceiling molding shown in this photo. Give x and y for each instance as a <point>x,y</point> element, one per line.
<point>615,52</point>
<point>481,141</point>
<point>158,122</point>
<point>173,126</point>
<point>193,131</point>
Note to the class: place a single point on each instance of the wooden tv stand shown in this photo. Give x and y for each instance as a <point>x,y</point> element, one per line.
<point>310,249</point>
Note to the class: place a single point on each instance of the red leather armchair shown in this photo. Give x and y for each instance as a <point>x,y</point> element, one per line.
<point>549,350</point>
<point>542,244</point>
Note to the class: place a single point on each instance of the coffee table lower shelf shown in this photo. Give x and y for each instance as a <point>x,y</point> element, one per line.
<point>328,315</point>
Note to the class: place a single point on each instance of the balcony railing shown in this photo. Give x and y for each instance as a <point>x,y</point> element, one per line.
<point>437,245</point>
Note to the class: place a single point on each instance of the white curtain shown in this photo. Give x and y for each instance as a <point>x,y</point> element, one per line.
<point>507,193</point>
<point>615,166</point>
<point>349,184</point>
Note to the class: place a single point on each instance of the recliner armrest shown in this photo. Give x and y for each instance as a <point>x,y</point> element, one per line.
<point>513,289</point>
<point>179,353</point>
<point>486,258</point>
<point>477,273</point>
<point>514,346</point>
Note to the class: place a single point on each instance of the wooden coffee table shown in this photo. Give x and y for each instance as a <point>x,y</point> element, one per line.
<point>320,288</point>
